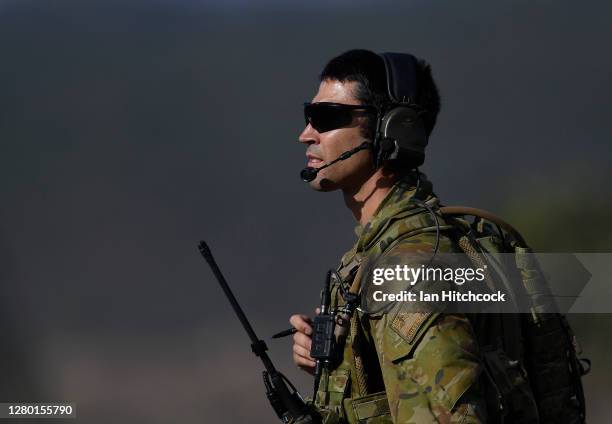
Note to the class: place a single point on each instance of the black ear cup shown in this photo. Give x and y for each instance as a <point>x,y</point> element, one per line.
<point>402,137</point>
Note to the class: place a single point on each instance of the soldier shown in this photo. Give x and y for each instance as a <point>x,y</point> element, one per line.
<point>400,364</point>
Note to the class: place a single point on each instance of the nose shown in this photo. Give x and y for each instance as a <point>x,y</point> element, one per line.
<point>309,135</point>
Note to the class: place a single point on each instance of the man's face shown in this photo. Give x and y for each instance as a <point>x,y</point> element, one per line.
<point>324,147</point>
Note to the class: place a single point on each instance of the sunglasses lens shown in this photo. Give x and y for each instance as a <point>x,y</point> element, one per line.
<point>327,117</point>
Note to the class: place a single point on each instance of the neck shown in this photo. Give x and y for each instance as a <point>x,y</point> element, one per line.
<point>365,200</point>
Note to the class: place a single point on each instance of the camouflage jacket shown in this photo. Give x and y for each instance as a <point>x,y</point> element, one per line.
<point>402,365</point>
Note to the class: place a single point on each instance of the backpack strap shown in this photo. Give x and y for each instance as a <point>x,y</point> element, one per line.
<point>481,213</point>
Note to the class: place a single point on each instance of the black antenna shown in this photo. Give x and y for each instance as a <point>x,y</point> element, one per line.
<point>287,404</point>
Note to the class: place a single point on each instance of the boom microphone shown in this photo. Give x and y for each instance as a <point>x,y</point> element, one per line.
<point>309,173</point>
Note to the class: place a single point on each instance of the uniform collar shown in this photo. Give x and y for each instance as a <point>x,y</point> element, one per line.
<point>394,206</point>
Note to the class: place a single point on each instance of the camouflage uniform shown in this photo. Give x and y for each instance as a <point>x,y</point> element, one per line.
<point>405,365</point>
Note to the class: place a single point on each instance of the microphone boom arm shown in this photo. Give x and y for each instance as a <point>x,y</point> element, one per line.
<point>309,173</point>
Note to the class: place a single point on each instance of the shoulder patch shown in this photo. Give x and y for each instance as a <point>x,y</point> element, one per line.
<point>404,331</point>
<point>407,324</point>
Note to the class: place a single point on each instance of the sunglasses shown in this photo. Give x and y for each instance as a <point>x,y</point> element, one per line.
<point>325,116</point>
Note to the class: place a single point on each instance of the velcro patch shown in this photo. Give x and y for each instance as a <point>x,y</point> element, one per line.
<point>407,324</point>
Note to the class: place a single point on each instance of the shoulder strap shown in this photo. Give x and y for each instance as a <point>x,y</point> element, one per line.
<point>481,213</point>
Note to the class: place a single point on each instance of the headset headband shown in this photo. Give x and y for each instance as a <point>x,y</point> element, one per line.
<point>401,76</point>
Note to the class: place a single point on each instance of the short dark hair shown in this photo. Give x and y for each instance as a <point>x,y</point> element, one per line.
<point>368,70</point>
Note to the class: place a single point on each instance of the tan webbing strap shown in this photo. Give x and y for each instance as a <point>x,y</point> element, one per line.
<point>360,377</point>
<point>356,285</point>
<point>476,259</point>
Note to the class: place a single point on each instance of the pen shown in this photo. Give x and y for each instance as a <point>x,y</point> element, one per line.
<point>285,333</point>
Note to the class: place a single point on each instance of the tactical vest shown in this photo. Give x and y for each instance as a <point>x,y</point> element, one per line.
<point>531,369</point>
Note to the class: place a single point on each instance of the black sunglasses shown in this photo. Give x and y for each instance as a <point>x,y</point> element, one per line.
<point>325,116</point>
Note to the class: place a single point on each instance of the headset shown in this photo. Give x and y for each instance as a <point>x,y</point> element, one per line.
<point>400,131</point>
<point>400,135</point>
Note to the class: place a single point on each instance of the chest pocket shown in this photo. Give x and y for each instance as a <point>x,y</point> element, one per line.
<point>335,385</point>
<point>370,409</point>
<point>358,409</point>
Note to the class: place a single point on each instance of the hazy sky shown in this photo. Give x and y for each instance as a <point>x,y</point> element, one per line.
<point>130,130</point>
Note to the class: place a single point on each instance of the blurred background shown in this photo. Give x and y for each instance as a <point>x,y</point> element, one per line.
<point>129,130</point>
